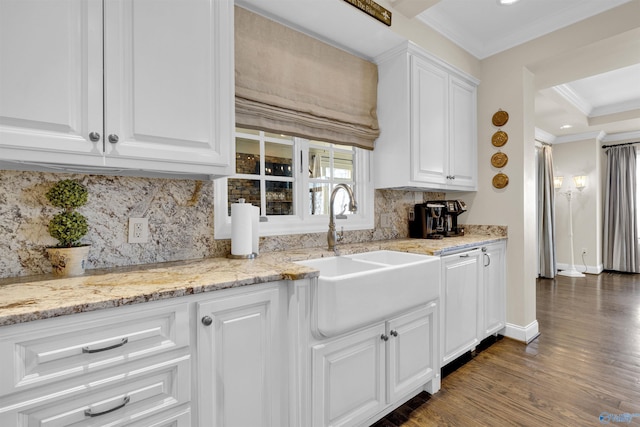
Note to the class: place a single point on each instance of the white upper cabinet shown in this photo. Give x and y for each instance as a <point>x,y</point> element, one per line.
<point>50,80</point>
<point>428,129</point>
<point>118,84</point>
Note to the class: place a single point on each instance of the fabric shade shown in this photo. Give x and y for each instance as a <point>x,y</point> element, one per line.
<point>290,83</point>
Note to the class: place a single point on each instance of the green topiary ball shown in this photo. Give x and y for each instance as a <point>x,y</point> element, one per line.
<point>68,194</point>
<point>68,228</point>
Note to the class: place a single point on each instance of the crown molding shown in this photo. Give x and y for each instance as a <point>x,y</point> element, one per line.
<point>621,107</point>
<point>622,136</point>
<point>565,91</point>
<point>597,135</point>
<point>544,136</point>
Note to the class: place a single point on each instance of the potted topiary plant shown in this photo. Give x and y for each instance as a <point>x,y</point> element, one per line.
<point>68,227</point>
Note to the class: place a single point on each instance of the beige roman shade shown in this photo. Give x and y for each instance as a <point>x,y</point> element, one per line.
<point>290,83</point>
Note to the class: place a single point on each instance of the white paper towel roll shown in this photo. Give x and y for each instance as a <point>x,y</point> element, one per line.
<point>241,228</point>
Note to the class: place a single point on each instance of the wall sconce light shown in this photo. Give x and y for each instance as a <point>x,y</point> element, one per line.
<point>557,182</point>
<point>580,181</point>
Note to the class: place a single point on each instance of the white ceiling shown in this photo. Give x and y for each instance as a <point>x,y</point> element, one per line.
<point>605,105</point>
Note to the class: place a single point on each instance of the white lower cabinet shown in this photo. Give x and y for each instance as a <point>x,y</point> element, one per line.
<point>494,289</point>
<point>460,303</point>
<point>127,366</point>
<point>360,374</point>
<point>348,378</point>
<point>473,298</point>
<point>412,357</point>
<point>239,361</point>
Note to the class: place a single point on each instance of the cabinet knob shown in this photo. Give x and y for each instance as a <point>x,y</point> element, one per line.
<point>384,337</point>
<point>113,138</point>
<point>207,321</point>
<point>94,136</point>
<point>393,332</point>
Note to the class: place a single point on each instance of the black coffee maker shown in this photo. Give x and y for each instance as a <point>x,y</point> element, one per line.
<point>436,219</point>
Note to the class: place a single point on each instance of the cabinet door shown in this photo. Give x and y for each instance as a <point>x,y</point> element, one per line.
<point>463,163</point>
<point>493,283</point>
<point>348,378</point>
<point>169,84</point>
<point>429,123</point>
<point>459,298</point>
<point>412,357</point>
<point>238,367</point>
<point>50,80</point>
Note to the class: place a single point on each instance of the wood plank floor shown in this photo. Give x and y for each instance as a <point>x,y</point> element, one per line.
<point>583,366</point>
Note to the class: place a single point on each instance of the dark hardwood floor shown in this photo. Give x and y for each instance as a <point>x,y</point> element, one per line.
<point>584,366</point>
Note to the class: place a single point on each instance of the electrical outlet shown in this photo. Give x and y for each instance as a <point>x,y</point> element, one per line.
<point>138,230</point>
<point>385,220</point>
<point>584,251</point>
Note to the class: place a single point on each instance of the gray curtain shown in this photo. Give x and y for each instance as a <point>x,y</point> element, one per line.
<point>620,220</point>
<point>546,215</point>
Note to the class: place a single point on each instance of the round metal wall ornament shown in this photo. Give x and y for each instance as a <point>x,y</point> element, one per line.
<point>500,180</point>
<point>500,118</point>
<point>499,160</point>
<point>499,138</point>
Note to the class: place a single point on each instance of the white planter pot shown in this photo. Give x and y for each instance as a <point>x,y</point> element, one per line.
<point>69,261</point>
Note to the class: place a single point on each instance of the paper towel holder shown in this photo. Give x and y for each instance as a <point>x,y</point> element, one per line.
<point>247,256</point>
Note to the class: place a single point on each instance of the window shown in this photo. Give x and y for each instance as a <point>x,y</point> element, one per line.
<point>291,180</point>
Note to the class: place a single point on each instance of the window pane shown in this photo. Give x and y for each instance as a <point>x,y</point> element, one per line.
<point>278,159</point>
<point>343,166</point>
<point>247,156</point>
<point>278,136</point>
<point>279,197</point>
<point>247,189</point>
<point>319,163</point>
<point>249,131</point>
<point>319,199</point>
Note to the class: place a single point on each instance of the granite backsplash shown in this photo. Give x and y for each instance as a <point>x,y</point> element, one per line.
<point>180,214</point>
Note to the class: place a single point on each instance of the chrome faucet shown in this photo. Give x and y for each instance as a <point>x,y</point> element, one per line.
<point>332,237</point>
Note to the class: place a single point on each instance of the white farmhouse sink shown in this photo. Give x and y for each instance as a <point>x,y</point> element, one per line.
<point>358,290</point>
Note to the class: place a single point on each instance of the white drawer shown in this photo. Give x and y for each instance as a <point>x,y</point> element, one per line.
<point>155,395</point>
<point>41,352</point>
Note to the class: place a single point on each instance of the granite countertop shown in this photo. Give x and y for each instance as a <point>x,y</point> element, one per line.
<point>25,299</point>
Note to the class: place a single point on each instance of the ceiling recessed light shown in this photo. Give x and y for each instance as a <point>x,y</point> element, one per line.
<point>507,2</point>
<point>566,127</point>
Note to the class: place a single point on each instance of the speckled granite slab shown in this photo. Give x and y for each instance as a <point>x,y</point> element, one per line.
<point>39,297</point>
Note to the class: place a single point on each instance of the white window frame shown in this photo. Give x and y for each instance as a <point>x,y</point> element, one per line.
<point>302,221</point>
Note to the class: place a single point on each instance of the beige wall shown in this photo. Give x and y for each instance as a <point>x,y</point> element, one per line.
<point>570,159</point>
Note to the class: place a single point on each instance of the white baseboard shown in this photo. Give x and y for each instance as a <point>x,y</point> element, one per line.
<point>525,334</point>
<point>590,268</point>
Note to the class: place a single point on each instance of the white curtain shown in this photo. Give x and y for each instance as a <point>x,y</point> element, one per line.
<point>620,204</point>
<point>546,215</point>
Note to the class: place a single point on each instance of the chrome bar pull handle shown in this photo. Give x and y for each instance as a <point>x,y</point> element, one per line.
<point>89,413</point>
<point>111,347</point>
